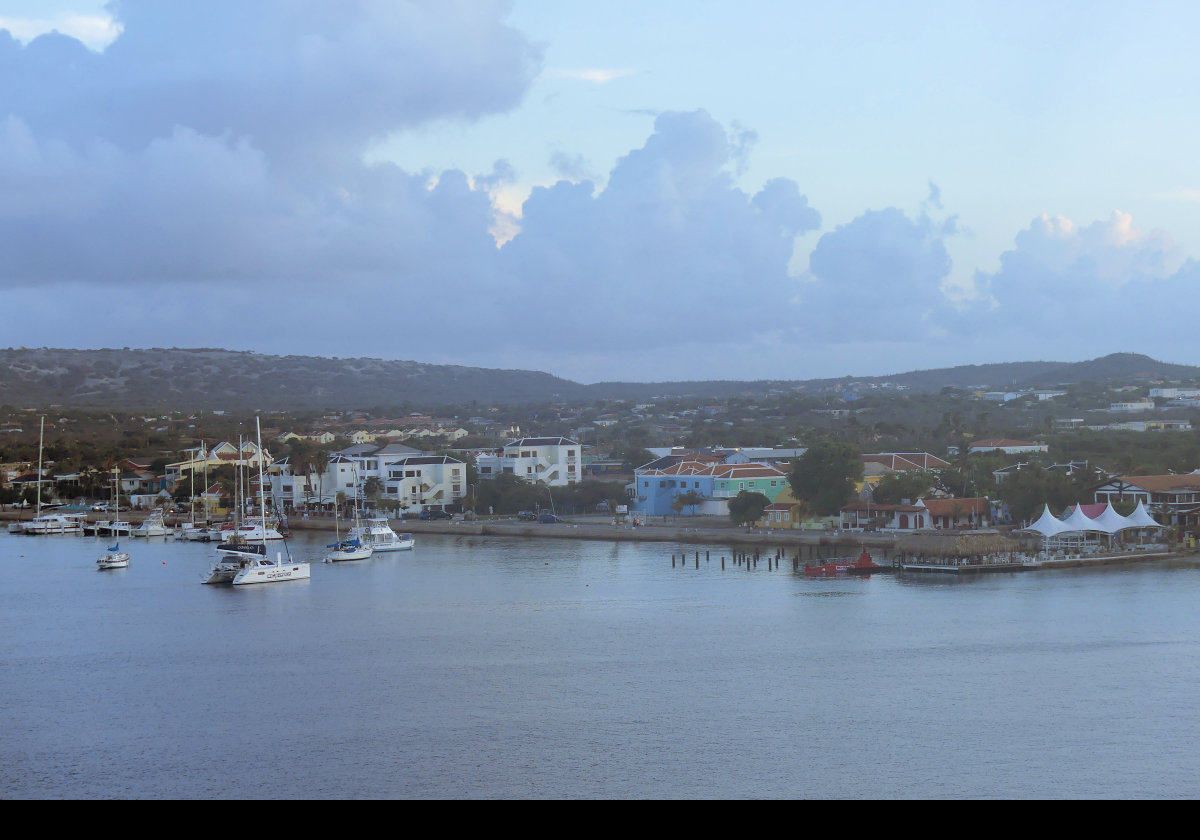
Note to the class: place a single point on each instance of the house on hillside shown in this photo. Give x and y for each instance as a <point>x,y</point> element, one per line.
<point>1005,445</point>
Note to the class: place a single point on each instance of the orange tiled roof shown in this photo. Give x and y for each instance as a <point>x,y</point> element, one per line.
<point>955,507</point>
<point>1163,483</point>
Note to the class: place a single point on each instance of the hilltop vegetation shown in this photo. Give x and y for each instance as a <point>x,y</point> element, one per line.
<point>206,379</point>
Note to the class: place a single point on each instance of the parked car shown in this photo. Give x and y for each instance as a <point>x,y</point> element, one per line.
<point>548,519</point>
<point>436,514</point>
<point>527,516</point>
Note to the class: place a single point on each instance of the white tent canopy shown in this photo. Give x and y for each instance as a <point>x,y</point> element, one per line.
<point>1141,517</point>
<point>1047,525</point>
<point>1079,521</point>
<point>1108,522</point>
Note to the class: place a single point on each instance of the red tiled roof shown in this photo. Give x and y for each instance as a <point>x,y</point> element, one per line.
<point>955,507</point>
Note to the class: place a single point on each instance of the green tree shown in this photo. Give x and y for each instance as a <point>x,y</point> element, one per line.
<point>373,488</point>
<point>747,507</point>
<point>691,499</point>
<point>824,477</point>
<point>678,504</point>
<point>896,486</point>
<point>1029,489</point>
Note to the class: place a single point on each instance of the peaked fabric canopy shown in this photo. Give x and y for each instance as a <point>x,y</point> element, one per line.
<point>1047,525</point>
<point>1079,521</point>
<point>1141,517</point>
<point>1108,522</point>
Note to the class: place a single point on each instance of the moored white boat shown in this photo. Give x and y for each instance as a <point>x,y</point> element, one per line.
<point>152,526</point>
<point>262,570</point>
<point>352,549</point>
<point>242,563</point>
<point>116,528</point>
<point>55,523</point>
<point>191,532</point>
<point>114,558</point>
<point>376,533</point>
<point>257,531</point>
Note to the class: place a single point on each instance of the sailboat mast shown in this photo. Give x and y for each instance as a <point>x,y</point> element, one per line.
<point>192,492</point>
<point>204,454</point>
<point>41,437</point>
<point>262,501</point>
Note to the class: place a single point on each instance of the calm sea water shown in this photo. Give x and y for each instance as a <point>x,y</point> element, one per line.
<point>496,667</point>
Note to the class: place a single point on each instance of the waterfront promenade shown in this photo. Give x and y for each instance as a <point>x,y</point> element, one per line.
<point>807,546</point>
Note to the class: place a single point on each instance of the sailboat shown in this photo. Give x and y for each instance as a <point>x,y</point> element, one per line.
<point>241,563</point>
<point>353,547</point>
<point>190,531</point>
<point>50,523</point>
<point>115,558</point>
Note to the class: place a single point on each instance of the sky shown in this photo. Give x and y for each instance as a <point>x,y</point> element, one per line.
<point>604,190</point>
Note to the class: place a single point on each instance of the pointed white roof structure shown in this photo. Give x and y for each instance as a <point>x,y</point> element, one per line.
<point>1047,525</point>
<point>1110,522</point>
<point>1141,518</point>
<point>1079,521</point>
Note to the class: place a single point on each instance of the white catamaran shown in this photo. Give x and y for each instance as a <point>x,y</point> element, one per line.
<point>242,563</point>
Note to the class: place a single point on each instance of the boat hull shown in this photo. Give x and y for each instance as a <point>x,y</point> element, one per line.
<point>116,560</point>
<point>271,573</point>
<point>345,555</point>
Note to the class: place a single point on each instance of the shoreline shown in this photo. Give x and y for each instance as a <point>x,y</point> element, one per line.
<point>809,546</point>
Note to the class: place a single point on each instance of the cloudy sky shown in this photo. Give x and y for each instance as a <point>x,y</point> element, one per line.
<point>604,190</point>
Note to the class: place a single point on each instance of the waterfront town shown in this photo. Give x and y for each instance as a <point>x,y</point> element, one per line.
<point>1066,472</point>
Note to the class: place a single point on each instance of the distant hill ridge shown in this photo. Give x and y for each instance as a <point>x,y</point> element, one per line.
<point>207,378</point>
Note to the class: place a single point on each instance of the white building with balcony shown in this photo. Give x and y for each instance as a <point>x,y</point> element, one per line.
<point>556,461</point>
<point>425,481</point>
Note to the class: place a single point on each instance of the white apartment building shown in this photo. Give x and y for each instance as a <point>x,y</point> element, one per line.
<point>415,481</point>
<point>290,488</point>
<point>422,481</point>
<point>1132,406</point>
<point>555,461</point>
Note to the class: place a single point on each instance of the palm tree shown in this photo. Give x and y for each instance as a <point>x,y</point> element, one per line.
<point>373,488</point>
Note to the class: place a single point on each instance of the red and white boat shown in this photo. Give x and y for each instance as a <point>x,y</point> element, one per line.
<point>864,565</point>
